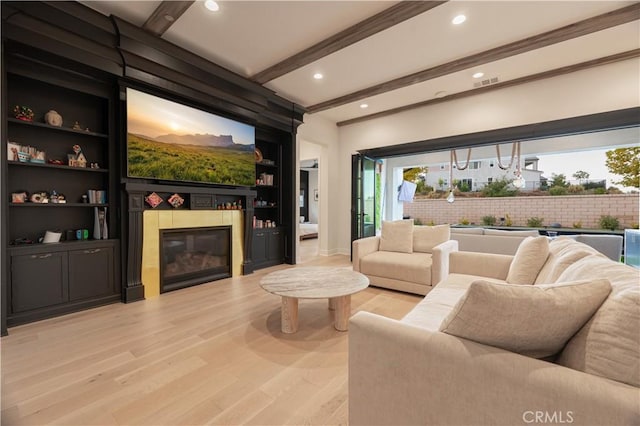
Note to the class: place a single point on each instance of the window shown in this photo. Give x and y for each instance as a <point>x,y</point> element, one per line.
<point>474,165</point>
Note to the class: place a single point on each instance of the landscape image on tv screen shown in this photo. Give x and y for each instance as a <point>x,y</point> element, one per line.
<point>170,141</point>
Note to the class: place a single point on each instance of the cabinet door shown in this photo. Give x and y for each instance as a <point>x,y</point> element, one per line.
<point>91,273</point>
<point>259,252</point>
<point>275,250</point>
<point>38,280</point>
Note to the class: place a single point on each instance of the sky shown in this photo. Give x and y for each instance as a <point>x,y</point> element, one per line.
<point>153,116</point>
<point>592,162</point>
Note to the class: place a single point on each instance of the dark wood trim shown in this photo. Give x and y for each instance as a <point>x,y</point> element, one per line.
<point>630,54</point>
<point>4,213</point>
<point>568,32</point>
<point>623,118</point>
<point>379,22</point>
<point>165,15</point>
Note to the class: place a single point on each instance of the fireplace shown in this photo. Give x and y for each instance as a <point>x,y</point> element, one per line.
<point>191,256</point>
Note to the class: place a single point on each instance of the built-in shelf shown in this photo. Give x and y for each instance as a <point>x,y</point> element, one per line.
<point>57,166</point>
<point>270,166</point>
<point>61,129</point>
<point>73,244</point>
<point>265,207</point>
<point>56,205</point>
<point>266,186</point>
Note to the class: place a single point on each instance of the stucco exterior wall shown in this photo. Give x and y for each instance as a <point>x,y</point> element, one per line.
<point>565,210</point>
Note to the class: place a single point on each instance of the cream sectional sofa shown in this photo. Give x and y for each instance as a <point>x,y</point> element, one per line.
<point>483,240</point>
<point>413,261</point>
<point>409,372</point>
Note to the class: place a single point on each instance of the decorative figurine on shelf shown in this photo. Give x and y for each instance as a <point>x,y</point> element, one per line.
<point>77,159</point>
<point>23,113</point>
<point>52,118</point>
<point>175,200</point>
<point>39,197</point>
<point>76,126</point>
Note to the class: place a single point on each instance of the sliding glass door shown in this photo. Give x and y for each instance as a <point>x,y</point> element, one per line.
<point>364,197</point>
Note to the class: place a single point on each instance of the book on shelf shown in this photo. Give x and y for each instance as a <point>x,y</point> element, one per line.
<point>97,196</point>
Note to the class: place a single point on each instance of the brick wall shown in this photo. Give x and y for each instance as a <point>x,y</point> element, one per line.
<point>565,210</point>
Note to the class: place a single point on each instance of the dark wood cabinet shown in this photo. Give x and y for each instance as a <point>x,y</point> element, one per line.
<point>91,273</point>
<point>52,279</point>
<point>38,280</point>
<point>268,247</point>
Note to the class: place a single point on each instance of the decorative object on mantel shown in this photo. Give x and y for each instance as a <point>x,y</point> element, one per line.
<point>23,113</point>
<point>258,155</point>
<point>175,200</point>
<point>52,118</point>
<point>76,126</point>
<point>77,159</point>
<point>153,200</point>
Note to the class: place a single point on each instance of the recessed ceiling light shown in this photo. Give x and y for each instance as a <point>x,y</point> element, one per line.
<point>363,106</point>
<point>169,18</point>
<point>211,5</point>
<point>478,75</point>
<point>440,94</point>
<point>458,20</point>
<point>318,76</point>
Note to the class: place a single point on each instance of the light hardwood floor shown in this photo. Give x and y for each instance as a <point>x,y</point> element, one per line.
<point>210,354</point>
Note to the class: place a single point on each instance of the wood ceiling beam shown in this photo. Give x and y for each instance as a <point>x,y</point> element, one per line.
<point>165,15</point>
<point>568,32</point>
<point>630,54</point>
<point>370,26</point>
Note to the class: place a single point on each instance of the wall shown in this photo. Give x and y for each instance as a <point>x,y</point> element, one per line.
<point>313,203</point>
<point>565,210</point>
<point>606,88</point>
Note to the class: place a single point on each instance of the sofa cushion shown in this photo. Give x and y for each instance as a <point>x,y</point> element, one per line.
<point>425,238</point>
<point>397,236</point>
<point>414,267</point>
<point>563,252</point>
<point>440,301</point>
<point>535,321</point>
<point>528,260</point>
<point>504,233</point>
<point>609,344</point>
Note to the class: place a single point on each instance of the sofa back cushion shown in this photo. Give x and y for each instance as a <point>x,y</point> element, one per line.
<point>531,255</point>
<point>535,321</point>
<point>609,344</point>
<point>563,252</point>
<point>425,238</point>
<point>397,236</point>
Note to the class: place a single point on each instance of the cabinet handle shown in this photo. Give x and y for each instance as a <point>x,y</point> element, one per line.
<point>92,251</point>
<point>42,256</point>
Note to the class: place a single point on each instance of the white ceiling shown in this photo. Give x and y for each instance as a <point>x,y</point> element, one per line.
<point>249,36</point>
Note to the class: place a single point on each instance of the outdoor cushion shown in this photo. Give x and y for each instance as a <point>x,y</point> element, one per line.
<point>528,233</point>
<point>397,236</point>
<point>536,321</point>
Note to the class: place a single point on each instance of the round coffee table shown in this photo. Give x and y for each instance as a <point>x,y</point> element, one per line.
<point>314,282</point>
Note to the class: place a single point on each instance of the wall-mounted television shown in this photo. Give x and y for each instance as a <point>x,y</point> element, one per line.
<point>169,141</point>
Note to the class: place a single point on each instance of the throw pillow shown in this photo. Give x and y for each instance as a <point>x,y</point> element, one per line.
<point>536,321</point>
<point>397,236</point>
<point>531,255</point>
<point>425,238</point>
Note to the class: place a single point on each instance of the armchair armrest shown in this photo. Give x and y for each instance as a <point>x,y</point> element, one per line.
<point>401,375</point>
<point>440,260</point>
<point>363,247</point>
<point>483,264</point>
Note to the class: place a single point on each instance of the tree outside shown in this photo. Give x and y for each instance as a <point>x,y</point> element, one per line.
<point>625,162</point>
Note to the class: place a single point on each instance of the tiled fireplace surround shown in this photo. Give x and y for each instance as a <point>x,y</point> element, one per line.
<point>143,227</point>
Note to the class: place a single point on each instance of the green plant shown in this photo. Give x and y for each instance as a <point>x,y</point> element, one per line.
<point>417,221</point>
<point>625,162</point>
<point>535,222</point>
<point>558,190</point>
<point>499,188</point>
<point>635,225</point>
<point>558,180</point>
<point>599,191</point>
<point>577,224</point>
<point>431,223</point>
<point>464,221</point>
<point>488,220</point>
<point>575,189</point>
<point>507,220</point>
<point>464,187</point>
<point>609,222</point>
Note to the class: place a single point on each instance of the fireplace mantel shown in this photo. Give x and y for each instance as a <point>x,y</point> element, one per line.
<point>203,202</point>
